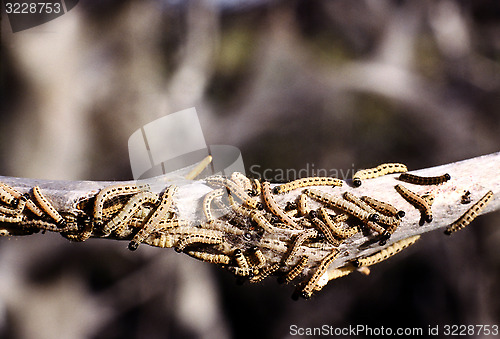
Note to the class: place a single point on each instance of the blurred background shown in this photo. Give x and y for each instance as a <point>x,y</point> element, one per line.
<point>330,84</point>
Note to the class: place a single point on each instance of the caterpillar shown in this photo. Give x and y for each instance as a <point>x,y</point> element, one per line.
<point>196,171</point>
<point>47,226</point>
<point>109,193</point>
<point>339,272</point>
<point>10,192</point>
<point>243,269</point>
<point>470,215</point>
<point>113,208</point>
<point>265,273</point>
<point>131,207</point>
<point>360,203</point>
<point>383,207</point>
<point>11,219</point>
<point>391,222</point>
<point>273,206</point>
<point>47,207</point>
<point>299,240</point>
<point>327,231</point>
<point>297,269</point>
<point>167,239</point>
<point>255,215</point>
<point>21,203</point>
<point>418,180</point>
<point>236,190</point>
<point>242,181</point>
<point>208,200</point>
<point>256,190</point>
<point>416,201</point>
<point>197,239</point>
<point>223,226</point>
<point>261,259</point>
<point>377,228</point>
<point>378,171</point>
<point>210,257</point>
<point>303,206</point>
<point>429,199</point>
<point>386,252</point>
<point>159,214</point>
<point>291,213</point>
<point>346,206</point>
<point>364,270</point>
<point>383,219</point>
<point>337,230</point>
<point>290,206</point>
<point>311,285</point>
<point>5,195</point>
<point>305,182</point>
<point>86,232</point>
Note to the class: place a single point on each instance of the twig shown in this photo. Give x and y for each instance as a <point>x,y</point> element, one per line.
<point>253,243</point>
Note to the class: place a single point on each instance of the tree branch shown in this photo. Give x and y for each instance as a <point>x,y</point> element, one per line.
<point>237,229</point>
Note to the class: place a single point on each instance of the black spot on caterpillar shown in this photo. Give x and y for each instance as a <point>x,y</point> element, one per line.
<point>418,180</point>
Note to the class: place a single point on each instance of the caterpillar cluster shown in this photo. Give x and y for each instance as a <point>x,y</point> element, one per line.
<point>246,226</point>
